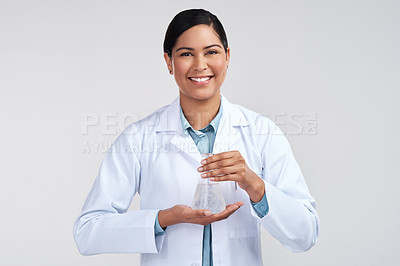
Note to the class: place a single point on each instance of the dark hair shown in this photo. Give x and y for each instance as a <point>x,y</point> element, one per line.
<point>190,18</point>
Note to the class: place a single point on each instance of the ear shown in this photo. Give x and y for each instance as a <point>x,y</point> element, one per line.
<point>228,55</point>
<point>168,60</point>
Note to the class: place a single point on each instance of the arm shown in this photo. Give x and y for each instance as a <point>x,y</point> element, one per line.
<point>291,218</point>
<point>104,224</point>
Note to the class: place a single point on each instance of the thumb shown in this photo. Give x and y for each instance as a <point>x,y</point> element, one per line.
<point>207,213</point>
<point>202,213</point>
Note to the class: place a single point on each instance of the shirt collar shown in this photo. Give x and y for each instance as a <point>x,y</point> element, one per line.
<point>186,125</point>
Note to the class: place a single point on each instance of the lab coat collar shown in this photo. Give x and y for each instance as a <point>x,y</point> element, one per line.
<point>170,117</point>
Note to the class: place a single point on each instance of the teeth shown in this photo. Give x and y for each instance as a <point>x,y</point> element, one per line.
<point>200,79</point>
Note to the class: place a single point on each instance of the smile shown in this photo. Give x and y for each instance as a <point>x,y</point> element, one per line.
<point>203,79</point>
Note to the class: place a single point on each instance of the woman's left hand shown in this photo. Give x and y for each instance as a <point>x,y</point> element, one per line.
<point>231,166</point>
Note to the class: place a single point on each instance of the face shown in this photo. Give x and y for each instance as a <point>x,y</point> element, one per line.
<point>199,63</point>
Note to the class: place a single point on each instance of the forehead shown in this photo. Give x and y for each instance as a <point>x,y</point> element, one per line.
<point>198,36</point>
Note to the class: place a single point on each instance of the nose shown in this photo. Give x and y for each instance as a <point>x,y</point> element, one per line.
<point>200,63</point>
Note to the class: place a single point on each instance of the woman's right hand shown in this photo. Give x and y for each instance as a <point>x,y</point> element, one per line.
<point>184,214</point>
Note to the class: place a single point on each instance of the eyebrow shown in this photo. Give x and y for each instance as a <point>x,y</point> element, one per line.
<point>191,49</point>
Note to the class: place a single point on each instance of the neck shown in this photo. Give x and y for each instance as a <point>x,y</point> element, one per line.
<point>200,113</point>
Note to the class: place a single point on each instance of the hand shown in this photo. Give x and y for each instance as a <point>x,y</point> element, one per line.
<point>231,166</point>
<point>184,214</point>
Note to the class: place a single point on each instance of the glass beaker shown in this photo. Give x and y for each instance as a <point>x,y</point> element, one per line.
<point>208,194</point>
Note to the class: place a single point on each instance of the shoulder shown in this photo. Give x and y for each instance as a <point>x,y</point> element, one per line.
<point>146,124</point>
<point>257,122</point>
<point>140,130</point>
<point>266,136</point>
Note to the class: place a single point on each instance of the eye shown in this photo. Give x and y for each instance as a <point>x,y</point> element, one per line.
<point>212,52</point>
<point>186,54</point>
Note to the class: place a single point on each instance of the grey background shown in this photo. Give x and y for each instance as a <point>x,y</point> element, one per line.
<point>62,61</point>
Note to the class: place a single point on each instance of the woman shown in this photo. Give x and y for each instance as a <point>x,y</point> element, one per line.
<point>159,157</point>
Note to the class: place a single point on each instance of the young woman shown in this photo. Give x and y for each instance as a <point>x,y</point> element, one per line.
<point>159,157</point>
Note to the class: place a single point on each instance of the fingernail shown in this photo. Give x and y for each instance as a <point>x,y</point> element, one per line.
<point>207,213</point>
<point>212,179</point>
<point>200,169</point>
<point>203,162</point>
<point>203,175</point>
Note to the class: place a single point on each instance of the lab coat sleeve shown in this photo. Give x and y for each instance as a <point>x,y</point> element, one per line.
<point>104,225</point>
<point>292,218</point>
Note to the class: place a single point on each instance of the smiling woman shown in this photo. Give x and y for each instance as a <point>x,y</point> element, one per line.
<point>160,157</point>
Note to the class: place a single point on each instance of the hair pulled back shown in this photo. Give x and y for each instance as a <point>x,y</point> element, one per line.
<point>186,19</point>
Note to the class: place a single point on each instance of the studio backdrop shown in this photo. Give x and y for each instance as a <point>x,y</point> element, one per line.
<point>74,74</point>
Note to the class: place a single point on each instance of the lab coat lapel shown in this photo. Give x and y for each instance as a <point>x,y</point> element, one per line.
<point>170,122</point>
<point>228,131</point>
<point>187,146</point>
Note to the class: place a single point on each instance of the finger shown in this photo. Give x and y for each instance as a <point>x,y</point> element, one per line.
<point>218,164</point>
<point>235,206</point>
<point>217,157</point>
<point>230,177</point>
<point>239,203</point>
<point>231,208</point>
<point>228,170</point>
<point>219,172</point>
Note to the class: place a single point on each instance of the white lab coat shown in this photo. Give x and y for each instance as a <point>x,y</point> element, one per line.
<point>156,159</point>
